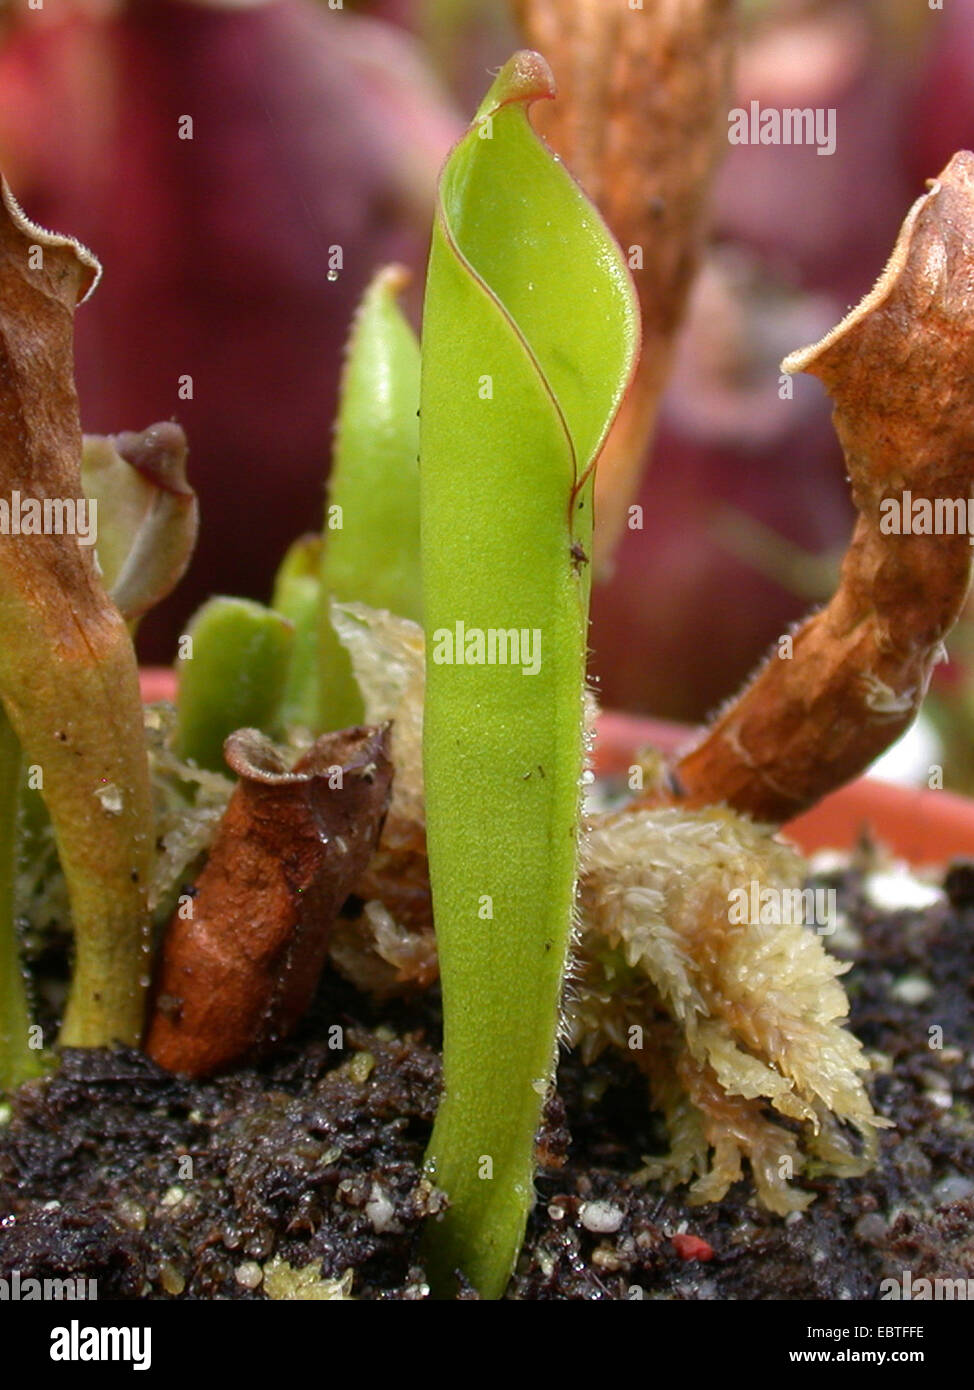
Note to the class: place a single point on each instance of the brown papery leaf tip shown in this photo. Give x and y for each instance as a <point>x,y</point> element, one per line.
<point>527,77</point>
<point>900,370</point>
<point>394,277</point>
<point>89,265</point>
<point>931,266</point>
<point>159,453</point>
<point>237,976</point>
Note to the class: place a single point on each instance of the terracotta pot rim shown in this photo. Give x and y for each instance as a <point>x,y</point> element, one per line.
<point>923,826</point>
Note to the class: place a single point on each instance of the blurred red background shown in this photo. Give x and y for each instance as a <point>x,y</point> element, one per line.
<point>315,128</point>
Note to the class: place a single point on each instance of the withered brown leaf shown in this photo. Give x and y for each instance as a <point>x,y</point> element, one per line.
<point>68,675</point>
<point>900,369</point>
<point>239,969</point>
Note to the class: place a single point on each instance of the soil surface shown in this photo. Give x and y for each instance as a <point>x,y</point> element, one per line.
<point>159,1187</point>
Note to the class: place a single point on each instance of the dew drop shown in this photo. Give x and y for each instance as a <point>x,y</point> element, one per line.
<point>111,799</point>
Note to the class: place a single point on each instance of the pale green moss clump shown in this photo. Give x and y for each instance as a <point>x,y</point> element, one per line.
<point>726,1018</point>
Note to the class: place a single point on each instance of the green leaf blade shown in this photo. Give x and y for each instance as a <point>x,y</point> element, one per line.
<point>297,597</point>
<point>515,403</point>
<point>370,551</point>
<point>233,677</point>
<point>541,247</point>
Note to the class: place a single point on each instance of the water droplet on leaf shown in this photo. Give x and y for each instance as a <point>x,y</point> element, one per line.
<point>111,799</point>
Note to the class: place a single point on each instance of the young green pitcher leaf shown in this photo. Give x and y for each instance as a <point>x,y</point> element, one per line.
<point>147,514</point>
<point>530,334</point>
<point>371,539</point>
<point>232,675</point>
<point>297,597</point>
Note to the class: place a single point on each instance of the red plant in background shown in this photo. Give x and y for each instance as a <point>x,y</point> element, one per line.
<point>315,128</point>
<point>311,129</point>
<point>687,613</point>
